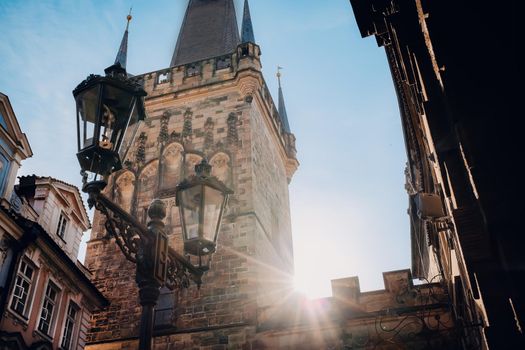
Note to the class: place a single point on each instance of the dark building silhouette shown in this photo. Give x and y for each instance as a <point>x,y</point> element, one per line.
<point>454,69</point>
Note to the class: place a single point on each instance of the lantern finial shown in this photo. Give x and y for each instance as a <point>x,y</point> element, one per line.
<point>203,168</point>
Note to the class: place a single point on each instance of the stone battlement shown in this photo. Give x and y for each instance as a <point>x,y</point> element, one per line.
<point>241,69</point>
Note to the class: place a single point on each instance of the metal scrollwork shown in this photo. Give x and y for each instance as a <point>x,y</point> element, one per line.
<point>126,236</point>
<point>135,241</point>
<point>177,277</point>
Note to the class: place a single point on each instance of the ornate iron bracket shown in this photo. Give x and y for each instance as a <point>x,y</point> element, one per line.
<point>135,240</point>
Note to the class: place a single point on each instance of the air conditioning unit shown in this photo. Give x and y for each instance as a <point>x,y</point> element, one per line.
<point>429,206</point>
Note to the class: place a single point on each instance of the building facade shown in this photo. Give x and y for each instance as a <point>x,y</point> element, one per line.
<point>458,123</point>
<point>211,102</point>
<point>46,297</point>
<point>12,153</point>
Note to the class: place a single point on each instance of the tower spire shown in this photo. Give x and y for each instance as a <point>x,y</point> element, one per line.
<point>282,106</point>
<point>247,27</point>
<point>122,55</point>
<point>209,29</point>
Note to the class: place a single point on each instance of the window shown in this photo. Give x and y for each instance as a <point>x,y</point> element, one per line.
<point>2,121</point>
<point>61,228</point>
<point>163,78</point>
<point>223,63</point>
<point>164,310</point>
<point>69,326</point>
<point>24,278</point>
<point>48,308</point>
<point>4,171</point>
<point>193,70</point>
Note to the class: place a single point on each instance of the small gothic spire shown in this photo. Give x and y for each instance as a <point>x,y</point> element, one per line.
<point>247,27</point>
<point>282,106</point>
<point>122,55</point>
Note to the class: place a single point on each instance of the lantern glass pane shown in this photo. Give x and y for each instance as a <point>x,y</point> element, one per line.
<point>87,107</point>
<point>213,200</point>
<point>130,132</point>
<point>191,208</point>
<point>116,108</point>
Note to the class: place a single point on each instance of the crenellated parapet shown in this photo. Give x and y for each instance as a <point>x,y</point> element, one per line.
<point>401,314</point>
<point>240,70</point>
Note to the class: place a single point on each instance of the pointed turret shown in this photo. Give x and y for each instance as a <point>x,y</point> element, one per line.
<point>247,27</point>
<point>209,30</point>
<point>282,106</point>
<point>122,55</point>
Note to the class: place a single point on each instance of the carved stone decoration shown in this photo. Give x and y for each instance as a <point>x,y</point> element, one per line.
<point>190,161</point>
<point>176,137</point>
<point>164,134</point>
<point>147,188</point>
<point>124,190</point>
<point>209,127</point>
<point>233,134</point>
<point>221,168</point>
<point>172,160</point>
<point>248,87</point>
<point>187,129</point>
<point>291,150</point>
<point>140,156</point>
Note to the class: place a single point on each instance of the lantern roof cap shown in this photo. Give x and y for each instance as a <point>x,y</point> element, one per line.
<point>112,77</point>
<point>203,177</point>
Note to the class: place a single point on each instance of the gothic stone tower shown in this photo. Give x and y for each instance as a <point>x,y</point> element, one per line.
<point>211,102</point>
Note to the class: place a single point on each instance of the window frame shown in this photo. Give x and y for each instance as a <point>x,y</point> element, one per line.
<point>74,326</point>
<point>63,222</point>
<point>54,311</point>
<point>30,292</point>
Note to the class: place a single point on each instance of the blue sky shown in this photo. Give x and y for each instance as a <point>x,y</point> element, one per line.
<point>347,199</point>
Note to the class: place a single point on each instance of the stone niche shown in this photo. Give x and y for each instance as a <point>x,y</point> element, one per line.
<point>172,165</point>
<point>221,168</point>
<point>124,190</point>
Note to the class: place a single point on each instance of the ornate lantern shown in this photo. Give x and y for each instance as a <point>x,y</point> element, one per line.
<point>108,111</point>
<point>201,200</point>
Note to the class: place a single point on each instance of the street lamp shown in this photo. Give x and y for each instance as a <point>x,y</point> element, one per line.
<point>109,109</point>
<point>201,200</point>
<point>106,107</point>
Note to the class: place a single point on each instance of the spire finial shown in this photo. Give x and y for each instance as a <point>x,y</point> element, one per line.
<point>129,18</point>
<point>122,55</point>
<point>279,68</point>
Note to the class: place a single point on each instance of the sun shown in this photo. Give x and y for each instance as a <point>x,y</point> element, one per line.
<point>313,285</point>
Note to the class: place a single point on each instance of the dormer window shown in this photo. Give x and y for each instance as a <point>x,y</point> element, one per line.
<point>62,224</point>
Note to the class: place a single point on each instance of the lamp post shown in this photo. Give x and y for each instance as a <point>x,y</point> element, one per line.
<point>109,109</point>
